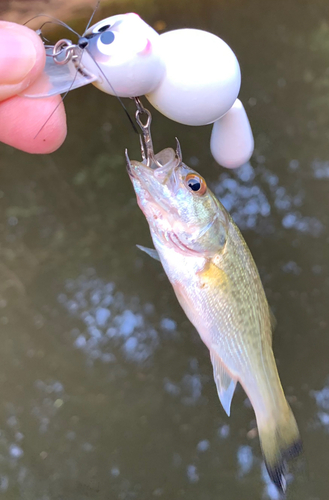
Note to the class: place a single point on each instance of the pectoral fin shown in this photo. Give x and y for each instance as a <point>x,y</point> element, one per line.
<point>224,383</point>
<point>150,251</point>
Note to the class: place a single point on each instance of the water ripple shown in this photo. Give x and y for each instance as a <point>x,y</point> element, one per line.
<point>112,321</point>
<point>251,195</point>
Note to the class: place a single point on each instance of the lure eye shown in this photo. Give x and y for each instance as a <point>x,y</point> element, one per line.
<point>107,37</point>
<point>196,183</point>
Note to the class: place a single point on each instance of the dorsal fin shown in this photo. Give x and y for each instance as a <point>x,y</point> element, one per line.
<point>224,382</point>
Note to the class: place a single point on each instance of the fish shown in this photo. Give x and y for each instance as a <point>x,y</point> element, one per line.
<point>217,284</point>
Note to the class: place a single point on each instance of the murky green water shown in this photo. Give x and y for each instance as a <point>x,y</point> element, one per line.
<point>106,389</point>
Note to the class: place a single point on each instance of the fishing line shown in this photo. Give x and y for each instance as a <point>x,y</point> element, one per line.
<point>100,69</point>
<point>92,15</point>
<point>61,23</point>
<point>39,32</point>
<point>55,20</point>
<point>115,94</point>
<point>61,101</point>
<point>70,88</point>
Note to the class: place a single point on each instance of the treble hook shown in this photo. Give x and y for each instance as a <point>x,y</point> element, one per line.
<point>146,138</point>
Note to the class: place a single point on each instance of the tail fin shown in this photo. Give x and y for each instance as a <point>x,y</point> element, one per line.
<point>280,441</point>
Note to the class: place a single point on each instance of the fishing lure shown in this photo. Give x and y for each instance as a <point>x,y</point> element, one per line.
<point>189,75</point>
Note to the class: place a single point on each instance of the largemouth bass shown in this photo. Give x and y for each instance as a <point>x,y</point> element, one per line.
<point>218,286</point>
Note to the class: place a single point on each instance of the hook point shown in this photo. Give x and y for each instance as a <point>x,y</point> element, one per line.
<point>178,151</point>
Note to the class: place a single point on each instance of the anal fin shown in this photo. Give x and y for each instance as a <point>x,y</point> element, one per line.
<point>224,382</point>
<point>150,251</point>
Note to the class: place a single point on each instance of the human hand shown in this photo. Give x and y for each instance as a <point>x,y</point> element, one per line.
<point>22,59</point>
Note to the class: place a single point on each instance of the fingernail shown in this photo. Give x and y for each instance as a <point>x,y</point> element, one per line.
<point>17,56</point>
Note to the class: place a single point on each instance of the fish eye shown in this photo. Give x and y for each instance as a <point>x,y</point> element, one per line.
<point>104,28</point>
<point>196,183</point>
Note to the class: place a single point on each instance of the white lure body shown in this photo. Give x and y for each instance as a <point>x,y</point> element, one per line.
<point>202,78</point>
<point>200,86</point>
<point>232,142</point>
<point>191,76</point>
<point>128,54</point>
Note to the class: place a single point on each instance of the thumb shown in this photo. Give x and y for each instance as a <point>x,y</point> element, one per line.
<point>22,58</point>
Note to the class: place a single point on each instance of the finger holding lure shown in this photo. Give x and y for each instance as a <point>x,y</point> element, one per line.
<point>189,75</point>
<point>22,59</point>
<point>218,286</point>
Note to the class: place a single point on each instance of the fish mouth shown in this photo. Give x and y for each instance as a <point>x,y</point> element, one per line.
<point>159,169</point>
<point>155,184</point>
